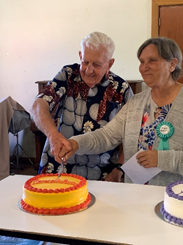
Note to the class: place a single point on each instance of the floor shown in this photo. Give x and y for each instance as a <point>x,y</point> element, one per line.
<point>24,167</point>
<point>5,240</point>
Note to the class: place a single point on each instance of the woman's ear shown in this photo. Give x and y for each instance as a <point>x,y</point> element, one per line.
<point>173,64</point>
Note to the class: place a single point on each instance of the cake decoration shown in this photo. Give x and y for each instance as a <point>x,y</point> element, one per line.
<point>172,207</point>
<point>47,194</point>
<point>164,130</point>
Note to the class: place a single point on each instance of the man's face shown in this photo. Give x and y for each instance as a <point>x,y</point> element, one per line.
<point>94,65</point>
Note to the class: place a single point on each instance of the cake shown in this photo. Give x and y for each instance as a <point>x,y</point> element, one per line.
<point>47,194</point>
<point>172,207</point>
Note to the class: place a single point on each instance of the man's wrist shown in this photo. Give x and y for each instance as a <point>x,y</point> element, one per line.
<point>118,166</point>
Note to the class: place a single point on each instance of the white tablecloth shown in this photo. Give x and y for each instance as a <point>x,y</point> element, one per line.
<point>122,213</point>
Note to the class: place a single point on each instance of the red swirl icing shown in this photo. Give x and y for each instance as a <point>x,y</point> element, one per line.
<point>36,180</point>
<point>56,211</point>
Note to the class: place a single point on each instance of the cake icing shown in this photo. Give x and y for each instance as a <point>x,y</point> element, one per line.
<point>172,207</point>
<point>47,194</point>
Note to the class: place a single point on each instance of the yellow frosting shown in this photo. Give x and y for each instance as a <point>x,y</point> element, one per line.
<point>55,200</point>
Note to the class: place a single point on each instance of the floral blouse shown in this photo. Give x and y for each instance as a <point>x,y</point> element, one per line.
<point>82,109</point>
<point>153,115</point>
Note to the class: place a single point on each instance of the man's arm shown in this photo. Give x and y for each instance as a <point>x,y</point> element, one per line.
<point>44,121</point>
<point>42,117</point>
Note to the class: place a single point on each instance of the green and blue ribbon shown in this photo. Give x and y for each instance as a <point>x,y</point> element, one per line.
<point>164,130</point>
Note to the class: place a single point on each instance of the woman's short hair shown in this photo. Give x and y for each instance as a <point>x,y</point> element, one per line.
<point>168,49</point>
<point>95,40</point>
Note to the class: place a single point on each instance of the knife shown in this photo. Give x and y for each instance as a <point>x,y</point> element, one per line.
<point>61,168</point>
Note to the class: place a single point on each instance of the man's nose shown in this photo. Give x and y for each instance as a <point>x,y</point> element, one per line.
<point>89,69</point>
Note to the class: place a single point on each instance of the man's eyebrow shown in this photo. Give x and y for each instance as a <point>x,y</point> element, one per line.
<point>97,62</point>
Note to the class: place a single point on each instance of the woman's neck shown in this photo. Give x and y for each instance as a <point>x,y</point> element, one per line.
<point>165,95</point>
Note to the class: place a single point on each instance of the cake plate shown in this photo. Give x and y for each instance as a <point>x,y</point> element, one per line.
<point>91,204</point>
<point>159,214</point>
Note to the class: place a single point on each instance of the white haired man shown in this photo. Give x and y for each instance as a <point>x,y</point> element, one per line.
<point>89,96</point>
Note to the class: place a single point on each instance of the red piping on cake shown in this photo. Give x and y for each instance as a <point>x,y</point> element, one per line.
<point>56,211</point>
<point>35,179</point>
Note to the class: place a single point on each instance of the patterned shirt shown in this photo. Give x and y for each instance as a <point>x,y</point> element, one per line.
<point>153,115</point>
<point>82,109</point>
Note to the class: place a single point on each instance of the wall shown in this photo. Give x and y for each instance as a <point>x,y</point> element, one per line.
<point>38,37</point>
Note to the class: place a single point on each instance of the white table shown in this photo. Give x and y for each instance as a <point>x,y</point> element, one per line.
<point>121,214</point>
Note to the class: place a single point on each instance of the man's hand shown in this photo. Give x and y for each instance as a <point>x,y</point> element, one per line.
<point>57,142</point>
<point>114,176</point>
<point>148,159</point>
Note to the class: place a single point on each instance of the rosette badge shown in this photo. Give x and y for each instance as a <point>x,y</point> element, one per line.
<point>164,130</point>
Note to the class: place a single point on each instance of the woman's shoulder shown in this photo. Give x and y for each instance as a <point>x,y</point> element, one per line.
<point>140,96</point>
<point>137,101</point>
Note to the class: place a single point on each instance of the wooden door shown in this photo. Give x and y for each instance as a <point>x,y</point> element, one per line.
<point>169,22</point>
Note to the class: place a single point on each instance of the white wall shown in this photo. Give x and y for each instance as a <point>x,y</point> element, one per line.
<point>38,37</point>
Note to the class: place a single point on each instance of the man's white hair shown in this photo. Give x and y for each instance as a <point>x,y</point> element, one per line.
<point>96,40</point>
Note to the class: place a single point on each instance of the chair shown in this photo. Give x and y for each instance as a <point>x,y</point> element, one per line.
<point>7,108</point>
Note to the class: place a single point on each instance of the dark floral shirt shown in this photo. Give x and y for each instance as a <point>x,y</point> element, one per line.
<point>82,109</point>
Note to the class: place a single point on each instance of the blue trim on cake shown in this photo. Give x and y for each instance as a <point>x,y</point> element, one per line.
<point>170,192</point>
<point>170,218</point>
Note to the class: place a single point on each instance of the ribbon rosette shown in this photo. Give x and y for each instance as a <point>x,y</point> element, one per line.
<point>164,130</point>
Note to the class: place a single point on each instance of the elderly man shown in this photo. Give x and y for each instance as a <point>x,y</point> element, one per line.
<point>89,96</point>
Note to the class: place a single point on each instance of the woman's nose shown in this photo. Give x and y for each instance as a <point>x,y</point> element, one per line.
<point>144,66</point>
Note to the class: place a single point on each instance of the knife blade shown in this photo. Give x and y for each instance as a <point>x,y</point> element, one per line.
<point>61,167</point>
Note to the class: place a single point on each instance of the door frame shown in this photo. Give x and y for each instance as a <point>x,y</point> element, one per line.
<point>155,13</point>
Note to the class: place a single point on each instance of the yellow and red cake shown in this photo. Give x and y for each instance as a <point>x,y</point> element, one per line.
<point>48,195</point>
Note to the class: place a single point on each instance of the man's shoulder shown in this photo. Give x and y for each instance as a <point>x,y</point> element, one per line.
<point>121,85</point>
<point>74,66</point>
<point>117,77</point>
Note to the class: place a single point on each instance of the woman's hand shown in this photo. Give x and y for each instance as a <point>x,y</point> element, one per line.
<point>68,149</point>
<point>148,159</point>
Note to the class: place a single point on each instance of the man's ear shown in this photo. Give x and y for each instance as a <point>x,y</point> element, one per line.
<point>111,62</point>
<point>173,64</point>
<point>80,55</point>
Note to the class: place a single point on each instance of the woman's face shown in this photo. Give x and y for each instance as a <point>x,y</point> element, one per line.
<point>155,70</point>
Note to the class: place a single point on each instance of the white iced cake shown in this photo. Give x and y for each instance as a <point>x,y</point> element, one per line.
<point>172,207</point>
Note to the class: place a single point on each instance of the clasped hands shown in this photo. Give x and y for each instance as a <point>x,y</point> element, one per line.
<point>60,147</point>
